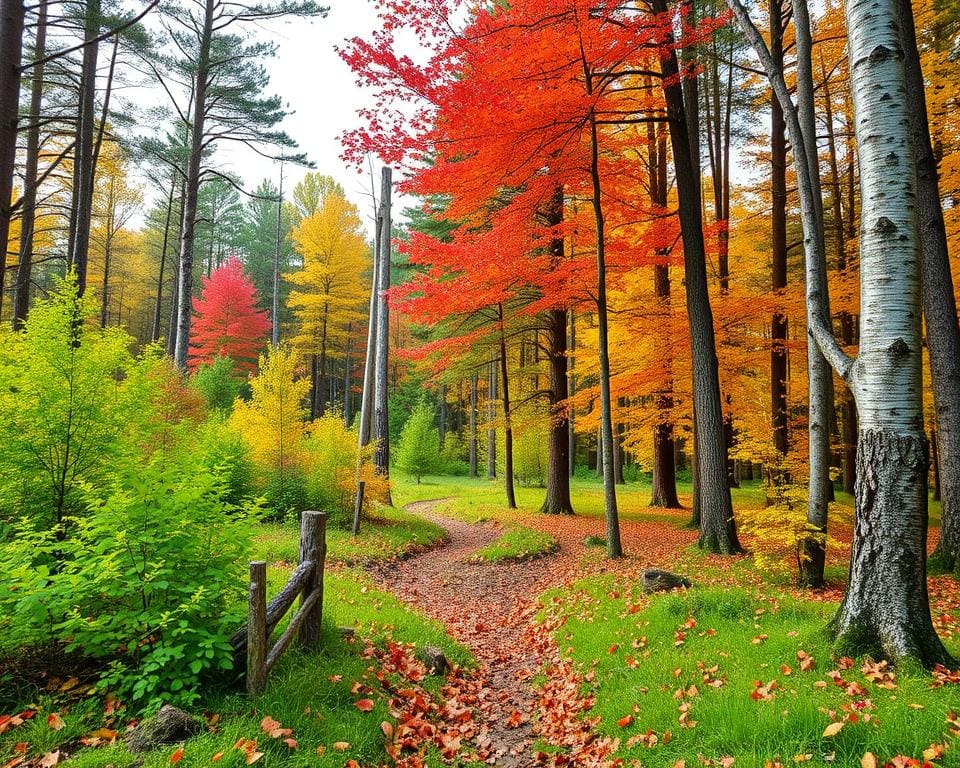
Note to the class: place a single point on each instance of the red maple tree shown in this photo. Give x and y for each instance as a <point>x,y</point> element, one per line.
<point>228,322</point>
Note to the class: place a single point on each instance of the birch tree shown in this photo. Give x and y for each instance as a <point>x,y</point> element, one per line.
<point>886,607</point>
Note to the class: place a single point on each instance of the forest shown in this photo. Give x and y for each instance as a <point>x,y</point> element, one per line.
<point>595,408</point>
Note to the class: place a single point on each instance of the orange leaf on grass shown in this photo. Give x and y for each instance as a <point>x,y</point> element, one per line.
<point>364,705</point>
<point>55,721</point>
<point>177,756</point>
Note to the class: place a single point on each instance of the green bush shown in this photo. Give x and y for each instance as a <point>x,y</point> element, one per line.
<point>218,383</point>
<point>223,450</point>
<point>531,454</point>
<point>150,580</point>
<point>418,452</point>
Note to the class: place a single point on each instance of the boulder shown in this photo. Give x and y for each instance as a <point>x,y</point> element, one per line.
<point>435,660</point>
<point>656,580</point>
<point>169,726</point>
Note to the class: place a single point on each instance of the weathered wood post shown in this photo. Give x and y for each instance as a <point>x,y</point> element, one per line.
<point>257,629</point>
<point>357,507</point>
<point>313,547</point>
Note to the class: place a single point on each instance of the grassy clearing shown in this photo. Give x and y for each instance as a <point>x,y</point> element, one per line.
<point>516,543</point>
<point>391,533</point>
<point>301,694</point>
<point>647,658</point>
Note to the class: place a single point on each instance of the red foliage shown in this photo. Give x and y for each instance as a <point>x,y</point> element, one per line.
<point>228,322</point>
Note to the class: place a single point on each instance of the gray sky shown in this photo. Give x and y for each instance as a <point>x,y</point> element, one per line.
<point>319,88</point>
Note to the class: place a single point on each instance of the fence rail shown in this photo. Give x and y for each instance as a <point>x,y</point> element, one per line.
<point>305,582</point>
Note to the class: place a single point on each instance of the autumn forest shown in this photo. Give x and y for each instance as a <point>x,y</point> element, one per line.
<point>598,405</point>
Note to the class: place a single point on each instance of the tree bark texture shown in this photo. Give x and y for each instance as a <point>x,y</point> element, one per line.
<point>11,49</point>
<point>381,421</point>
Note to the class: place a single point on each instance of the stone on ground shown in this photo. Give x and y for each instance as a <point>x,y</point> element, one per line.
<point>169,726</point>
<point>656,580</point>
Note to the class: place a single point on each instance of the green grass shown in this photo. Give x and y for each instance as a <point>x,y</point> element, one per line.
<point>516,543</point>
<point>390,533</point>
<point>299,695</point>
<point>641,668</point>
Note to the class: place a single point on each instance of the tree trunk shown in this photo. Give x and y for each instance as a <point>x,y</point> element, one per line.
<point>717,530</point>
<point>820,409</point>
<point>507,416</point>
<point>614,544</point>
<point>366,396</point>
<point>11,48</point>
<point>443,415</point>
<point>473,425</point>
<point>571,390</point>
<point>275,313</point>
<point>381,420</point>
<point>188,236</point>
<point>155,332</point>
<point>348,379</point>
<point>86,164</point>
<point>939,305</point>
<point>492,420</point>
<point>558,500</point>
<point>21,296</point>
<point>778,252</point>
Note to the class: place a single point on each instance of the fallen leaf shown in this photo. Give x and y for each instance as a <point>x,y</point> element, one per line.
<point>177,756</point>
<point>623,722</point>
<point>364,705</point>
<point>217,757</point>
<point>833,729</point>
<point>341,746</point>
<point>55,721</point>
<point>868,761</point>
<point>50,759</point>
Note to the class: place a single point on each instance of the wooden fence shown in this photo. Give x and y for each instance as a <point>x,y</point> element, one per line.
<point>306,581</point>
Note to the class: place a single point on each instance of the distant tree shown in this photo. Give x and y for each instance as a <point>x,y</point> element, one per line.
<point>218,383</point>
<point>418,450</point>
<point>257,243</point>
<point>228,322</point>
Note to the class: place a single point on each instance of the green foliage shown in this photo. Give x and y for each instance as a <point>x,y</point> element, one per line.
<point>223,451</point>
<point>418,452</point>
<point>150,580</point>
<point>330,458</point>
<point>531,453</point>
<point>402,402</point>
<point>218,383</point>
<point>71,405</point>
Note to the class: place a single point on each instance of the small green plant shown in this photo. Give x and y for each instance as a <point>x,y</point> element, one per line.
<point>418,452</point>
<point>149,581</point>
<point>218,383</point>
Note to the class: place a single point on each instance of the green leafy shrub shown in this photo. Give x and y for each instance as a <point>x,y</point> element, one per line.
<point>219,385</point>
<point>150,580</point>
<point>223,450</point>
<point>418,452</point>
<point>531,454</point>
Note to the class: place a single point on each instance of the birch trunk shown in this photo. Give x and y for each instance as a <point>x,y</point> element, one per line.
<point>886,608</point>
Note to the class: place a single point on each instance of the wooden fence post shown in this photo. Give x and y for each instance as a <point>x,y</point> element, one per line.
<point>313,547</point>
<point>257,629</point>
<point>359,506</point>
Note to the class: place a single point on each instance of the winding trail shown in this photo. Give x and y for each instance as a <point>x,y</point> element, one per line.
<point>487,607</point>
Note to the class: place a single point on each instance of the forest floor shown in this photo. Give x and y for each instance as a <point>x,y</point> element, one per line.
<point>490,608</point>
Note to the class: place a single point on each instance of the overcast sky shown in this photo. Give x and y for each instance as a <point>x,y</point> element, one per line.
<point>319,88</point>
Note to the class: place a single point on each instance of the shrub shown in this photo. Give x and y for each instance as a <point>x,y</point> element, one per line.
<point>418,452</point>
<point>218,383</point>
<point>531,454</point>
<point>150,580</point>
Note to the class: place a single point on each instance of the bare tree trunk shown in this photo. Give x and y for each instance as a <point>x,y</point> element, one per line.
<point>188,235</point>
<point>443,415</point>
<point>614,544</point>
<point>348,379</point>
<point>558,500</point>
<point>11,48</point>
<point>275,314</point>
<point>492,420</point>
<point>507,416</point>
<point>473,425</point>
<point>155,332</point>
<point>381,420</point>
<point>86,165</point>
<point>366,396</point>
<point>939,305</point>
<point>717,530</point>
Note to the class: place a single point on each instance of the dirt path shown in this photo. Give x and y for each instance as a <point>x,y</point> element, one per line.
<point>486,607</point>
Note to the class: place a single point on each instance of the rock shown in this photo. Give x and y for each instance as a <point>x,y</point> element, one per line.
<point>169,726</point>
<point>435,660</point>
<point>347,633</point>
<point>655,580</point>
